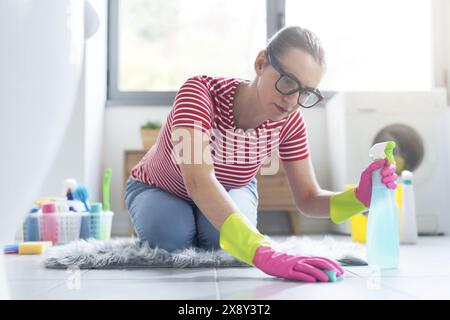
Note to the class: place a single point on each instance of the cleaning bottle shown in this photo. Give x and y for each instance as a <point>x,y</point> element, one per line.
<point>68,187</point>
<point>49,223</point>
<point>399,199</point>
<point>409,221</point>
<point>383,244</point>
<point>31,225</point>
<point>96,220</point>
<point>85,228</point>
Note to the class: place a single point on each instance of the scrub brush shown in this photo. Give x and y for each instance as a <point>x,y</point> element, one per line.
<point>81,193</point>
<point>106,183</point>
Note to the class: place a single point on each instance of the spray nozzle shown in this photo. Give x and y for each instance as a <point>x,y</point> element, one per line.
<point>383,150</point>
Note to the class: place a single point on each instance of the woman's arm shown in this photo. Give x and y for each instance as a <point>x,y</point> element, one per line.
<point>199,178</point>
<point>312,201</point>
<point>308,197</point>
<point>237,235</point>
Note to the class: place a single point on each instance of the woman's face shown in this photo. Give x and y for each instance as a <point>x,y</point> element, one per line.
<point>295,62</point>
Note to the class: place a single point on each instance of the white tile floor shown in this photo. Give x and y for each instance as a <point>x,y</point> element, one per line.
<point>424,273</point>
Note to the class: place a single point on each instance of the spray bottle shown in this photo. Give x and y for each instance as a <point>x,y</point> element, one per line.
<point>383,244</point>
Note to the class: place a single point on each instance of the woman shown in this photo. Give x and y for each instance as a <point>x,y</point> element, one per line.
<point>196,186</point>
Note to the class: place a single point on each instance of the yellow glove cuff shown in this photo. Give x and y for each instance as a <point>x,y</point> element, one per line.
<point>240,238</point>
<point>345,205</point>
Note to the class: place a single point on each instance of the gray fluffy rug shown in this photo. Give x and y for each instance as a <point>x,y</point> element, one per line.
<point>131,253</point>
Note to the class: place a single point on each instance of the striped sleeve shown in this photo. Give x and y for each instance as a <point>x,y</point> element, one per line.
<point>193,106</point>
<point>294,141</point>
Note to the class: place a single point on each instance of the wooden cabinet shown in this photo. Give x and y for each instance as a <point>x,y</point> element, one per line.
<point>275,195</point>
<point>132,157</point>
<point>274,192</point>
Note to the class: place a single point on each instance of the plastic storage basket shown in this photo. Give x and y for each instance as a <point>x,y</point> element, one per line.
<point>64,227</point>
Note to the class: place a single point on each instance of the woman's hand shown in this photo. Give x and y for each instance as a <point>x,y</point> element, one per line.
<point>389,178</point>
<point>241,239</point>
<point>294,267</point>
<point>344,205</point>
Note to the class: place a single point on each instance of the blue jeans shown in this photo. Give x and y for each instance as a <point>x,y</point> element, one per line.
<point>169,222</point>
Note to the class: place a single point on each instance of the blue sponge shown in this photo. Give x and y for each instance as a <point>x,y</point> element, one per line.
<point>332,275</point>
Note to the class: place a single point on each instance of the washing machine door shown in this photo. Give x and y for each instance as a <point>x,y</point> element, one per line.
<point>409,149</point>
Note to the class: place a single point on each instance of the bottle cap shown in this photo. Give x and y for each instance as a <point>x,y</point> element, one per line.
<point>96,207</point>
<point>34,209</point>
<point>48,208</point>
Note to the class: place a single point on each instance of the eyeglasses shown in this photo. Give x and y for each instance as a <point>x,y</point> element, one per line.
<point>287,85</point>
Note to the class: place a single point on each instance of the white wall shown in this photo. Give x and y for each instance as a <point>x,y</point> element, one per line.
<point>95,98</point>
<point>69,161</point>
<point>80,155</point>
<point>122,132</point>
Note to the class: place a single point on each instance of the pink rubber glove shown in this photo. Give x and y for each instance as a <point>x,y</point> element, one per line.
<point>364,190</point>
<point>283,265</point>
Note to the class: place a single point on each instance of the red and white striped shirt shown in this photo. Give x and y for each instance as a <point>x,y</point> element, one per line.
<point>206,103</point>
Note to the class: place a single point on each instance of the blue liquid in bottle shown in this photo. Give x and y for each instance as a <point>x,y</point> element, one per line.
<point>383,243</point>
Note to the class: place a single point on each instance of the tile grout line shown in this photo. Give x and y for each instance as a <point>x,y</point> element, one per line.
<point>413,297</point>
<point>216,284</point>
<point>58,285</point>
<point>38,295</point>
<point>384,285</point>
<point>346,270</point>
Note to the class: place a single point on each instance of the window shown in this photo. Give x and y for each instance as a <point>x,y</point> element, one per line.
<point>372,44</point>
<point>158,44</point>
<point>155,45</point>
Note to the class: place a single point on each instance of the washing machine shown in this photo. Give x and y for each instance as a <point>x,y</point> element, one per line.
<point>416,121</point>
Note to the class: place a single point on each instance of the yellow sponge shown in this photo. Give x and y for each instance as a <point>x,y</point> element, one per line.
<point>34,247</point>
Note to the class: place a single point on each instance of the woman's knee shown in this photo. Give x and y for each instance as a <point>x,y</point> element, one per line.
<point>169,225</point>
<point>160,233</point>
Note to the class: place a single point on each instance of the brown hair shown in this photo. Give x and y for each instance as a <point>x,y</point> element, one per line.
<point>296,37</point>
